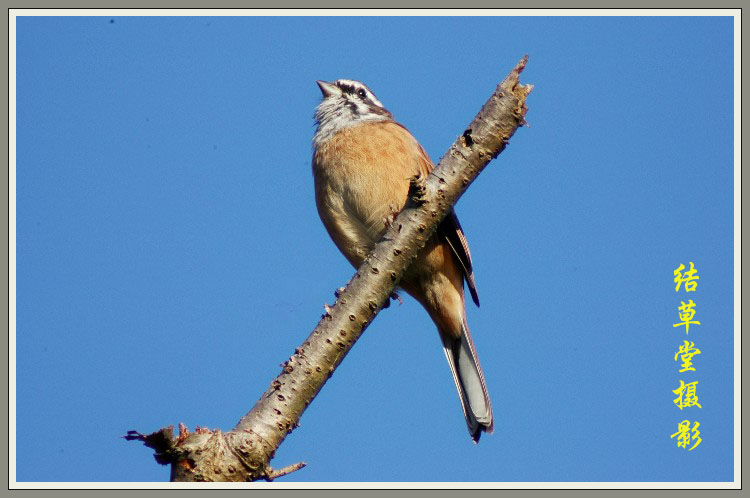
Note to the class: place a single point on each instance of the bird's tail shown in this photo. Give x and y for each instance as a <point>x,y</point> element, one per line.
<point>467,373</point>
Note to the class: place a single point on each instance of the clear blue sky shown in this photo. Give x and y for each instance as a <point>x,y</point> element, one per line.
<point>170,256</point>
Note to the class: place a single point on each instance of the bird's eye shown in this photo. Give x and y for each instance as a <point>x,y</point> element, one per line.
<point>362,93</point>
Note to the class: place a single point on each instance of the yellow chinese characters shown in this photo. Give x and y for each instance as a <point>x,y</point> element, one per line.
<point>688,278</point>
<point>686,435</point>
<point>685,353</point>
<point>686,312</point>
<point>686,396</point>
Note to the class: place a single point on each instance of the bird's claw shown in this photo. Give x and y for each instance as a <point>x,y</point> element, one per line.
<point>395,297</point>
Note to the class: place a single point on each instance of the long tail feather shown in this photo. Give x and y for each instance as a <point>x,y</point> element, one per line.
<point>472,389</point>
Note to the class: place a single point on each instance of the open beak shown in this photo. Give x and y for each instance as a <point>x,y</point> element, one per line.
<point>327,89</point>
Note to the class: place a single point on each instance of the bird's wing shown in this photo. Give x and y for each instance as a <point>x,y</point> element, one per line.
<point>450,231</point>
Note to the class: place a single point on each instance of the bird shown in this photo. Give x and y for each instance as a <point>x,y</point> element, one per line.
<point>362,164</point>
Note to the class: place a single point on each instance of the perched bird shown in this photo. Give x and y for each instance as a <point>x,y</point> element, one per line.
<point>362,163</point>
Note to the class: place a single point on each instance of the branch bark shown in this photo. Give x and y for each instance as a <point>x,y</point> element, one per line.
<point>245,452</point>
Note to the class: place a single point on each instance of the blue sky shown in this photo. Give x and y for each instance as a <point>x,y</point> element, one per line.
<point>170,256</point>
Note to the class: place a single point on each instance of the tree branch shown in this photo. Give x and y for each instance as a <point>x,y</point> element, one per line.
<point>245,452</point>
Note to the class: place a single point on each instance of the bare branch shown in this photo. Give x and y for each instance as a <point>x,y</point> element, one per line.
<point>286,470</point>
<point>244,453</point>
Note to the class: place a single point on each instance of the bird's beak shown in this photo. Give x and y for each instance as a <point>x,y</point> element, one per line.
<point>327,89</point>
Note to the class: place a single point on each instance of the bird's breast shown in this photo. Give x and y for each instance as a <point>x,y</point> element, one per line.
<point>362,173</point>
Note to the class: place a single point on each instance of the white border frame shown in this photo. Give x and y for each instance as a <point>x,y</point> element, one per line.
<point>735,13</point>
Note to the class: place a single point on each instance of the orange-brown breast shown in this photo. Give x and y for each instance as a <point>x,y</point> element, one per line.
<point>361,180</point>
